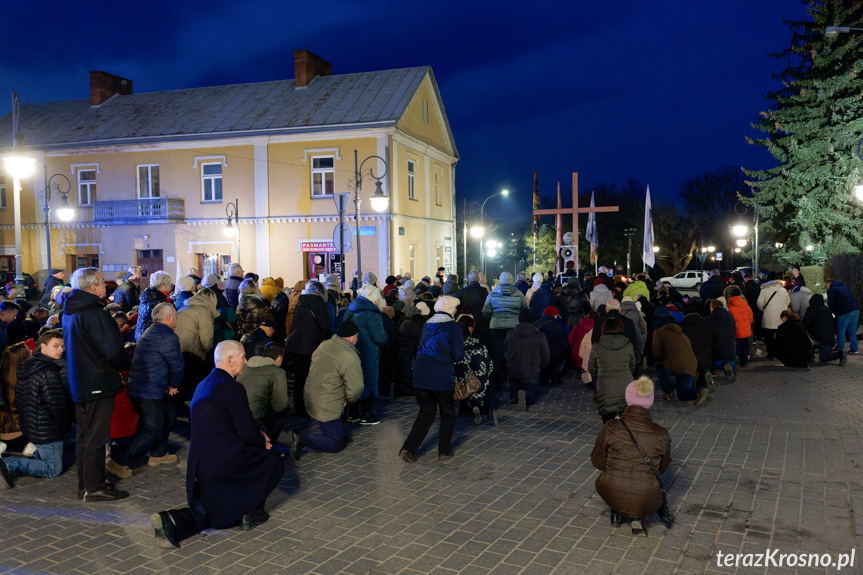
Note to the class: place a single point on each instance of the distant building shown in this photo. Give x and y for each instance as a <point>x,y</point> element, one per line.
<point>152,175</point>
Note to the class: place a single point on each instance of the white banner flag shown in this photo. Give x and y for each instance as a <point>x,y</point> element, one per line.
<point>647,254</point>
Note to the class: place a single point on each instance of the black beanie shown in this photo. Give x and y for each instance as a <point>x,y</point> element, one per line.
<point>347,329</point>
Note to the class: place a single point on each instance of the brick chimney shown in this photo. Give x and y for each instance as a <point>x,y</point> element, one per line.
<point>307,67</point>
<point>104,85</point>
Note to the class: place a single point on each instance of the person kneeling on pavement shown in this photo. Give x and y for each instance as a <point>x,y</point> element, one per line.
<point>43,412</point>
<point>526,352</point>
<point>267,389</point>
<point>675,358</point>
<point>627,484</point>
<point>232,464</point>
<point>157,372</point>
<point>335,380</point>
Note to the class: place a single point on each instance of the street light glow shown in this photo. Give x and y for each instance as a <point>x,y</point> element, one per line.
<point>492,253</point>
<point>711,249</point>
<point>810,247</point>
<point>741,243</point>
<point>19,166</point>
<point>740,230</point>
<point>477,232</point>
<point>858,191</point>
<point>655,249</point>
<point>379,201</point>
<point>504,193</point>
<point>736,250</point>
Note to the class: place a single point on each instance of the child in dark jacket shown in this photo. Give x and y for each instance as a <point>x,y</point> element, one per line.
<point>526,352</point>
<point>43,412</point>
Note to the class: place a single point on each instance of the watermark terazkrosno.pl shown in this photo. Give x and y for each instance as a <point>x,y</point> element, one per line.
<point>775,558</point>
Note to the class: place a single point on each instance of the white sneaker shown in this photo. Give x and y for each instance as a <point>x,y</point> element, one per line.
<point>29,450</point>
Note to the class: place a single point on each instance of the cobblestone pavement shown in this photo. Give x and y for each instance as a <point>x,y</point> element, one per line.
<point>773,461</point>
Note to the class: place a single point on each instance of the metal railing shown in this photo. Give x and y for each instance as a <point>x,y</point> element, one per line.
<point>136,210</point>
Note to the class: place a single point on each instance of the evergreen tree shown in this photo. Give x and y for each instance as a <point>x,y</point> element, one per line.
<point>814,128</point>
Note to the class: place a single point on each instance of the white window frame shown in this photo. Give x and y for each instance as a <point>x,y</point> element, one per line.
<point>323,172</point>
<point>150,180</point>
<point>89,185</point>
<point>2,191</point>
<point>412,178</point>
<point>212,178</point>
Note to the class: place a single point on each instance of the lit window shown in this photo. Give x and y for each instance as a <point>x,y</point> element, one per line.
<point>412,180</point>
<point>211,182</point>
<point>2,192</point>
<point>148,181</point>
<point>86,187</point>
<point>323,176</point>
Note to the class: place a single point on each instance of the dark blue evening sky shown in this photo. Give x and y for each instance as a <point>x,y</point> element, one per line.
<point>613,90</point>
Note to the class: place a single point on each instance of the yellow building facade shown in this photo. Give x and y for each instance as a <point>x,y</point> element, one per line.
<point>152,176</point>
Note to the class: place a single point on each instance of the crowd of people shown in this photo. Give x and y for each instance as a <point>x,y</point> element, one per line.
<point>121,360</point>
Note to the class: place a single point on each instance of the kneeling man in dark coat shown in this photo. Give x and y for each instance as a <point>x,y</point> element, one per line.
<point>232,467</point>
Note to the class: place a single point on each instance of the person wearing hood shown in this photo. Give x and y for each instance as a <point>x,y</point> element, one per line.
<point>160,287</point>
<point>724,342</point>
<point>638,287</point>
<point>818,321</point>
<point>772,301</point>
<point>95,358</point>
<point>675,358</point>
<point>555,333</point>
<point>293,299</point>
<point>43,414</point>
<point>269,289</point>
<point>742,314</point>
<point>572,302</point>
<point>441,347</point>
<point>266,388</point>
<point>185,290</point>
<point>542,298</point>
<point>846,308</point>
<point>196,331</point>
<point>600,294</point>
<point>526,354</point>
<point>627,484</point>
<point>310,326</point>
<point>611,366</point>
<point>365,312</point>
<point>502,306</point>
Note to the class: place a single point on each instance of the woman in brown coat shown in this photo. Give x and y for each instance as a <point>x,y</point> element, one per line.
<point>292,304</point>
<point>627,484</point>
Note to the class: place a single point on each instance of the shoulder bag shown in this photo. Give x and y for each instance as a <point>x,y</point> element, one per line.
<point>463,391</point>
<point>664,514</point>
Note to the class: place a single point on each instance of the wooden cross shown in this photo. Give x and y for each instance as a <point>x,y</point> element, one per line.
<point>574,210</point>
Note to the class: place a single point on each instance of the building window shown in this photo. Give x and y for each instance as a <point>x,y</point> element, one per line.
<point>437,188</point>
<point>2,192</point>
<point>412,176</point>
<point>148,181</point>
<point>211,182</point>
<point>86,187</point>
<point>323,176</point>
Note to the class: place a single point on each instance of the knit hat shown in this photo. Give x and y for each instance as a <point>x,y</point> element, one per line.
<point>269,289</point>
<point>347,329</point>
<point>186,283</point>
<point>332,280</point>
<point>210,281</point>
<point>399,305</point>
<point>369,278</point>
<point>280,283</point>
<point>640,392</point>
<point>424,308</point>
<point>598,282</point>
<point>447,304</point>
<point>390,280</point>
<point>537,278</point>
<point>551,310</point>
<point>505,278</point>
<point>371,293</point>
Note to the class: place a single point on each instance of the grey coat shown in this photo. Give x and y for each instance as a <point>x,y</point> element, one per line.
<point>612,364</point>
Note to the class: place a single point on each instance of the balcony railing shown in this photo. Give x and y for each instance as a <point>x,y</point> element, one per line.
<point>139,211</point>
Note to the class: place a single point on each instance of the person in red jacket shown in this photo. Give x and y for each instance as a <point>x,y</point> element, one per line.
<point>743,318</point>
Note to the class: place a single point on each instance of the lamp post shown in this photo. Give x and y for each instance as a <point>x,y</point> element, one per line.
<point>18,166</point>
<point>380,202</point>
<point>232,210</point>
<point>833,31</point>
<point>65,212</point>
<point>503,193</point>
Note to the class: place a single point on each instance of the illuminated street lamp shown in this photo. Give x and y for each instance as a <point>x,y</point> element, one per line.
<point>18,166</point>
<point>379,201</point>
<point>476,232</point>
<point>482,246</point>
<point>65,212</point>
<point>741,243</point>
<point>740,230</point>
<point>833,31</point>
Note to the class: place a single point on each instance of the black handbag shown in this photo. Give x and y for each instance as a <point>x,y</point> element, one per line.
<point>663,513</point>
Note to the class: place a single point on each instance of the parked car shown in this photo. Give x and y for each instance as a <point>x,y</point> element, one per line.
<point>31,291</point>
<point>748,270</point>
<point>689,279</point>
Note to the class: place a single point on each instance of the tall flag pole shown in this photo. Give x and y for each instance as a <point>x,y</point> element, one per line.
<point>647,255</point>
<point>592,235</point>
<point>535,218</point>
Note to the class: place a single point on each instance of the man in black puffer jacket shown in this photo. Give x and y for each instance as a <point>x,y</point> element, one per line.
<point>95,360</point>
<point>818,321</point>
<point>42,411</point>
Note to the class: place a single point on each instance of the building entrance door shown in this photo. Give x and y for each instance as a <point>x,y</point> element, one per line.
<point>213,264</point>
<point>150,261</point>
<point>78,261</point>
<point>321,263</point>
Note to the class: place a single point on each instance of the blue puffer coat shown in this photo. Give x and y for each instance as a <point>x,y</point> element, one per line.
<point>441,347</point>
<point>157,365</point>
<point>541,299</point>
<point>503,305</point>
<point>367,318</point>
